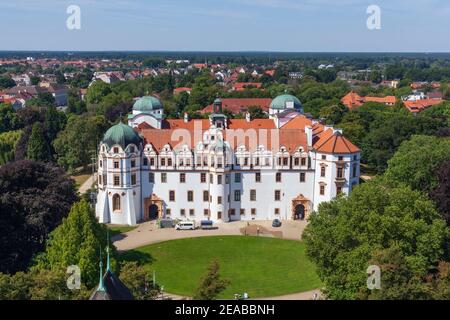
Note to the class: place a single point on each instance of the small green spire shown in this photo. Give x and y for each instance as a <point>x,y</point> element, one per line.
<point>107,251</point>
<point>101,286</point>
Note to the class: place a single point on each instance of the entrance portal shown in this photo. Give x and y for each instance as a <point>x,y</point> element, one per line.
<point>153,212</point>
<point>299,212</point>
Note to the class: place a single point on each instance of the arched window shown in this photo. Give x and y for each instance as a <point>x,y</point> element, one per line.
<point>116,202</point>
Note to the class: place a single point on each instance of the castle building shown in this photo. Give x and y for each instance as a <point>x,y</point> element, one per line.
<point>219,168</point>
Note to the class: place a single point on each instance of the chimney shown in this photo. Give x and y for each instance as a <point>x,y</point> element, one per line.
<point>309,135</point>
<point>247,116</point>
<point>186,117</point>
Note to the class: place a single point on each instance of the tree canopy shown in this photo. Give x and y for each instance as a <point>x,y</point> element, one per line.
<point>34,198</point>
<point>344,235</point>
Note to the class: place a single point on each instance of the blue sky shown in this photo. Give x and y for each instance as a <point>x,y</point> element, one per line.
<point>226,25</point>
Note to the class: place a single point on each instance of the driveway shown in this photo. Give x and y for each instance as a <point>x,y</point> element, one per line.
<point>148,233</point>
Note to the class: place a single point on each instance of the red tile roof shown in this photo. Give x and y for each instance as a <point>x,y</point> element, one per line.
<point>182,89</point>
<point>240,105</point>
<point>334,142</point>
<point>241,86</point>
<point>419,105</point>
<point>353,100</point>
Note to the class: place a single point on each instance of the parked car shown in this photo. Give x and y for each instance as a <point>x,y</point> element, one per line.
<point>276,223</point>
<point>206,224</point>
<point>185,225</point>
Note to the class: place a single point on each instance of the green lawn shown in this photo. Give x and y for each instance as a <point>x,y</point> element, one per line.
<point>116,229</point>
<point>260,266</point>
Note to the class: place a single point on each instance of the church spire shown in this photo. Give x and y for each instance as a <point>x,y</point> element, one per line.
<point>107,252</point>
<point>101,286</point>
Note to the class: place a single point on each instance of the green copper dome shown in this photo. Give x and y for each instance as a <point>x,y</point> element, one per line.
<point>280,102</point>
<point>147,103</point>
<point>121,135</point>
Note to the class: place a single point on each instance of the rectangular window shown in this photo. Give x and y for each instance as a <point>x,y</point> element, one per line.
<point>285,161</point>
<point>340,173</point>
<point>322,171</point>
<point>296,162</point>
<point>171,195</point>
<point>101,163</point>
<point>100,180</point>
<point>105,179</point>
<point>202,177</point>
<point>232,212</point>
<point>168,212</point>
<point>258,177</point>
<point>182,177</point>
<point>206,196</point>
<point>277,211</point>
<point>151,177</point>
<point>133,179</point>
<point>163,177</point>
<point>237,177</point>
<point>116,180</point>
<point>116,150</point>
<point>219,214</point>
<point>191,212</point>
<point>322,190</point>
<point>190,196</point>
<point>182,212</point>
<point>237,195</point>
<point>152,161</point>
<point>278,177</point>
<point>324,157</point>
<point>253,211</point>
<point>169,162</point>
<point>219,179</point>
<point>206,212</point>
<point>277,195</point>
<point>145,162</point>
<point>133,163</point>
<point>242,212</point>
<point>303,162</point>
<point>116,164</point>
<point>219,200</point>
<point>131,149</point>
<point>252,195</point>
<point>163,162</point>
<point>302,177</point>
<point>354,170</point>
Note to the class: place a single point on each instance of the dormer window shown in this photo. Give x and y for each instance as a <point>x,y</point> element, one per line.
<point>116,150</point>
<point>131,149</point>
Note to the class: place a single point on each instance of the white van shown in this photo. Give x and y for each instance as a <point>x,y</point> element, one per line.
<point>185,225</point>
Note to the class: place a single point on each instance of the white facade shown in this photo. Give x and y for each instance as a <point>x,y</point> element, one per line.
<point>209,181</point>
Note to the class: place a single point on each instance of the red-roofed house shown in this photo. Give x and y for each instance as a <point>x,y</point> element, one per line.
<point>241,105</point>
<point>353,100</point>
<point>241,86</point>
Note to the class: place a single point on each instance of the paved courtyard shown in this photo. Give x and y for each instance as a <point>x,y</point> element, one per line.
<point>148,233</point>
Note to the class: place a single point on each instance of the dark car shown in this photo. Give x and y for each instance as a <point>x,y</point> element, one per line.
<point>276,223</point>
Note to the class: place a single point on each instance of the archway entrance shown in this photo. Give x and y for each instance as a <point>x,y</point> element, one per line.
<point>299,212</point>
<point>301,207</point>
<point>153,208</point>
<point>153,212</point>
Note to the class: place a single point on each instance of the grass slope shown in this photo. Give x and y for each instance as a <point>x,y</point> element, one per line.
<point>260,266</point>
